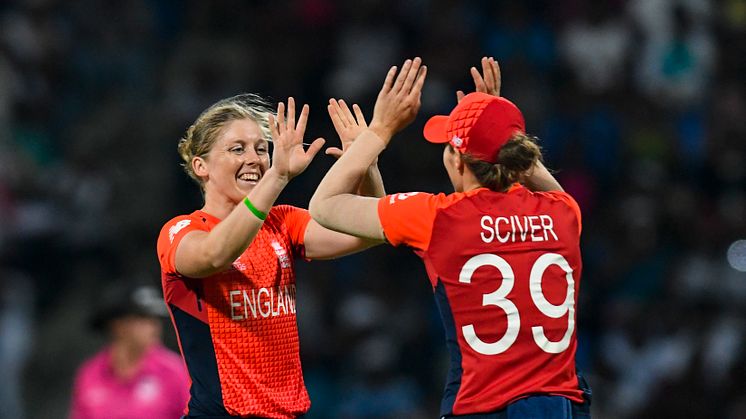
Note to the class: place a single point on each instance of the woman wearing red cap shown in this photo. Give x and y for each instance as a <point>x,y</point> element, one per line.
<point>503,260</point>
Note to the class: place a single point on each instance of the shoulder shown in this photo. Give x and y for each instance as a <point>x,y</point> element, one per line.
<point>173,226</point>
<point>560,196</point>
<point>183,224</point>
<point>414,199</point>
<point>92,366</point>
<point>283,211</point>
<point>287,215</point>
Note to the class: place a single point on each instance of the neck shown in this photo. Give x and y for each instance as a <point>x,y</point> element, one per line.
<point>218,206</point>
<point>126,357</point>
<point>469,181</point>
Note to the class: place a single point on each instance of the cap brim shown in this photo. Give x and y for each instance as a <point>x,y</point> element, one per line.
<point>435,129</point>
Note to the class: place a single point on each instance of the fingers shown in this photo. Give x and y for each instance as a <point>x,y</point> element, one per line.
<point>487,73</point>
<point>281,117</point>
<point>491,75</point>
<point>300,129</point>
<point>459,95</point>
<point>359,115</point>
<point>498,76</point>
<point>333,109</point>
<point>388,83</point>
<point>346,113</point>
<point>334,152</point>
<point>291,113</point>
<point>478,80</point>
<point>412,76</point>
<point>419,82</point>
<point>273,127</point>
<point>314,148</point>
<point>402,76</point>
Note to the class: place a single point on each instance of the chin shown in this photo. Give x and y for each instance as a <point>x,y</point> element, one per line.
<point>245,189</point>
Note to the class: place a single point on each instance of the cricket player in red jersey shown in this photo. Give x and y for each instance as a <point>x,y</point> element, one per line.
<point>503,260</point>
<point>228,269</point>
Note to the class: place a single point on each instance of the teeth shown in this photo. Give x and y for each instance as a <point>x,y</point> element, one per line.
<point>249,176</point>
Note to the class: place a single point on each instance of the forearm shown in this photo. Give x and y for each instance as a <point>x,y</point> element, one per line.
<point>541,180</point>
<point>233,235</point>
<point>372,183</point>
<point>344,176</point>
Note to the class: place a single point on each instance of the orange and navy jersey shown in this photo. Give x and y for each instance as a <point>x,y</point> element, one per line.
<point>237,329</point>
<point>505,271</point>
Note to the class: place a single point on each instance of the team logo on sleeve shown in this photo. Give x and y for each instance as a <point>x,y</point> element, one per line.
<point>401,196</point>
<point>282,254</point>
<point>176,228</point>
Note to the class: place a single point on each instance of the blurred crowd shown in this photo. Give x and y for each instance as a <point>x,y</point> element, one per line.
<point>640,106</point>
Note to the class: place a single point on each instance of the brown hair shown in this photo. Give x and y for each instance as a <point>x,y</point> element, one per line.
<point>515,161</point>
<point>201,135</point>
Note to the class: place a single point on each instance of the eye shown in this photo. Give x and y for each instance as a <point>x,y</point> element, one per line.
<point>236,149</point>
<point>261,149</point>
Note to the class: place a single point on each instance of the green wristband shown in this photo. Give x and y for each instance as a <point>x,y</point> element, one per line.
<point>260,215</point>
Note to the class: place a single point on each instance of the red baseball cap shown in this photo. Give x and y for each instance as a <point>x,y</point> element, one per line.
<point>479,125</point>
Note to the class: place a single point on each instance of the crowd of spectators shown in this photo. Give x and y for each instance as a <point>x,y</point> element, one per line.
<point>640,106</point>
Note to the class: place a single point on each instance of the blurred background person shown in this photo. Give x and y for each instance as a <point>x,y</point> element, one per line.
<point>134,375</point>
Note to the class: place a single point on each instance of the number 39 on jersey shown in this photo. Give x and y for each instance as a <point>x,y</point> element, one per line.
<point>499,298</point>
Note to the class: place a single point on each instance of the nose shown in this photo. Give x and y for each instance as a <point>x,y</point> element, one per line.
<point>250,156</point>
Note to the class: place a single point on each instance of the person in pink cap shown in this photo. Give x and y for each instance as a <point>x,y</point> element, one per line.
<point>501,252</point>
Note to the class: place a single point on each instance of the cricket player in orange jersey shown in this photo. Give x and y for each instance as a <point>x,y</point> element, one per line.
<point>503,260</point>
<point>228,269</point>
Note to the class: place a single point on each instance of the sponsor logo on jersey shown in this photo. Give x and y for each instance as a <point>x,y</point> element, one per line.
<point>282,254</point>
<point>176,228</point>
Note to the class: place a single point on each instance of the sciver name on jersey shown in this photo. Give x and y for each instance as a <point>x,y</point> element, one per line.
<point>534,228</point>
<point>505,272</point>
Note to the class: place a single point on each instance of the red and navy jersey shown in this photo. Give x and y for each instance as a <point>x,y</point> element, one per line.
<point>237,329</point>
<point>505,270</point>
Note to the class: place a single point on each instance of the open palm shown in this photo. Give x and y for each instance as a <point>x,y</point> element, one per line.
<point>288,157</point>
<point>347,125</point>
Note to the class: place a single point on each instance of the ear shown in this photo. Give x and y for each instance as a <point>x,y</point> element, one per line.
<point>199,166</point>
<point>459,163</point>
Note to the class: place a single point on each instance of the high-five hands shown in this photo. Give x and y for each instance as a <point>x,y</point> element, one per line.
<point>288,157</point>
<point>399,99</point>
<point>348,127</point>
<point>490,83</point>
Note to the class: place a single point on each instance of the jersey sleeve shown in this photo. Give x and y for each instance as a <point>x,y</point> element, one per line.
<point>572,203</point>
<point>296,220</point>
<point>170,237</point>
<point>407,218</point>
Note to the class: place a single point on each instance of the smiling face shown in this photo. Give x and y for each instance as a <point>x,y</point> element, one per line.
<point>236,162</point>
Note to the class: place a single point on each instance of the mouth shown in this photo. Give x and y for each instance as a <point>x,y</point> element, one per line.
<point>248,178</point>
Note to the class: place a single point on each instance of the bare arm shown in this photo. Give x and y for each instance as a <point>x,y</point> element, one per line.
<point>541,180</point>
<point>334,204</point>
<point>201,253</point>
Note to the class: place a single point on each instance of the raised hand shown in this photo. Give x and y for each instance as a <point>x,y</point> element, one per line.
<point>348,127</point>
<point>288,157</point>
<point>490,83</point>
<point>399,99</point>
